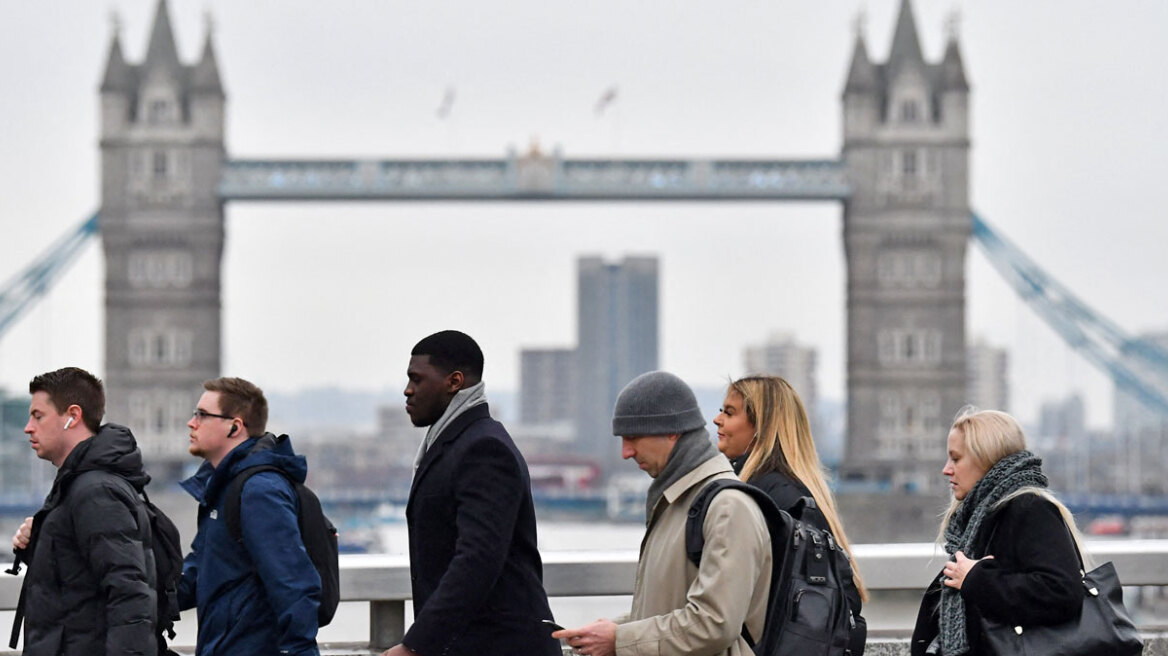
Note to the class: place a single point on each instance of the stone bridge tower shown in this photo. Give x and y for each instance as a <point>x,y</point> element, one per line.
<point>906,227</point>
<point>162,151</point>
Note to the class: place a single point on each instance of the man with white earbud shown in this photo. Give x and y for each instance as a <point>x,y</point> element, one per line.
<point>90,582</point>
<point>257,592</point>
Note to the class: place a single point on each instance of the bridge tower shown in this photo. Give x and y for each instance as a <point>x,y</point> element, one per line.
<point>906,227</point>
<point>162,151</point>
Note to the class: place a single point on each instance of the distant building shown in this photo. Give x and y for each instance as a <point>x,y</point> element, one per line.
<point>546,390</point>
<point>617,332</point>
<point>1130,415</point>
<point>1062,442</point>
<point>1066,418</point>
<point>24,478</point>
<point>782,356</point>
<point>988,368</point>
<point>1142,432</point>
<point>395,429</point>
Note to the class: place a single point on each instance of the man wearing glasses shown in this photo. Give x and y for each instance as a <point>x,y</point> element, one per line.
<point>258,595</point>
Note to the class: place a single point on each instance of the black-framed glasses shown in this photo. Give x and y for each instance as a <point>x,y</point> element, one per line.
<point>201,414</point>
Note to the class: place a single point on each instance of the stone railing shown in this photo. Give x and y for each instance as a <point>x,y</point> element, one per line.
<point>889,570</point>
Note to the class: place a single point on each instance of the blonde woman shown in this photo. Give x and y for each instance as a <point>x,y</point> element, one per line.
<point>764,431</point>
<point>1014,550</point>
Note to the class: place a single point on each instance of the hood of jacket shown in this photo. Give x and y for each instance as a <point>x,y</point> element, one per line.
<point>208,484</point>
<point>112,449</point>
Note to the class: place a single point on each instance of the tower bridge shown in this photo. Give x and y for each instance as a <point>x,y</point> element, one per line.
<point>901,177</point>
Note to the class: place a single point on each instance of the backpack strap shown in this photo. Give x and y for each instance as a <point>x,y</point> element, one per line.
<point>233,497</point>
<point>17,620</point>
<point>779,527</point>
<point>695,540</point>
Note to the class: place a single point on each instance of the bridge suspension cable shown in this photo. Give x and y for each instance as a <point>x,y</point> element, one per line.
<point>1137,366</point>
<point>19,293</point>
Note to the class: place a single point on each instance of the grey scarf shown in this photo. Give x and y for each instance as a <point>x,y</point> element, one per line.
<point>692,449</point>
<point>1008,475</point>
<point>464,400</point>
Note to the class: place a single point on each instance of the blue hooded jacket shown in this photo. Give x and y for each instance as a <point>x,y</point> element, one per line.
<point>258,596</point>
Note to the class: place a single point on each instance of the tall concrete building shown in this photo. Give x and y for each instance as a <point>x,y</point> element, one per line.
<point>906,227</point>
<point>162,150</point>
<point>782,356</point>
<point>547,385</point>
<point>988,372</point>
<point>617,332</point>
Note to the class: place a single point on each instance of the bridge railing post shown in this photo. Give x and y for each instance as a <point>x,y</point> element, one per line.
<point>387,623</point>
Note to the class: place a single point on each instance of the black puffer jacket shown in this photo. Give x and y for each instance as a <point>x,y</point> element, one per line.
<point>90,582</point>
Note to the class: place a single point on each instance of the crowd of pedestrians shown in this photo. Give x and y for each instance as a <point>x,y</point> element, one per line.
<point>92,585</point>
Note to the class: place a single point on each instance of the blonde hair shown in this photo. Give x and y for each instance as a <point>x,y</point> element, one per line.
<point>991,435</point>
<point>783,443</point>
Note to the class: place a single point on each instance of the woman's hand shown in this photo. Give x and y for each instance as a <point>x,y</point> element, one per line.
<point>956,571</point>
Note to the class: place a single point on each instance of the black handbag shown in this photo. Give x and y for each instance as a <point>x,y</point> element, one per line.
<point>1103,628</point>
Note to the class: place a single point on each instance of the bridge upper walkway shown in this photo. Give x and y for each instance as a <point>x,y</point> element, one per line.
<point>535,177</point>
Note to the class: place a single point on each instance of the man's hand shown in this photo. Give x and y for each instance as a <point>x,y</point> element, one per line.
<point>956,571</point>
<point>399,650</point>
<point>23,534</point>
<point>595,639</point>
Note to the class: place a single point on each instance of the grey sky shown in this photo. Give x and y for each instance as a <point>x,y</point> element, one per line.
<point>1069,153</point>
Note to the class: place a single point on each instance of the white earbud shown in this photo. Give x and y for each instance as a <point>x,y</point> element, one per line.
<point>68,423</point>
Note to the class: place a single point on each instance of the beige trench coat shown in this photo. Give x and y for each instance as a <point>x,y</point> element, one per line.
<point>682,609</point>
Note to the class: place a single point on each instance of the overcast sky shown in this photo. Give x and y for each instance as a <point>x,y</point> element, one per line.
<point>1070,150</point>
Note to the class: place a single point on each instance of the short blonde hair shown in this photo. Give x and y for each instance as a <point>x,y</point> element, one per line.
<point>990,435</point>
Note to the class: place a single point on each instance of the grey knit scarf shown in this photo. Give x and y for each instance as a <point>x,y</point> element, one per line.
<point>464,400</point>
<point>1008,475</point>
<point>692,449</point>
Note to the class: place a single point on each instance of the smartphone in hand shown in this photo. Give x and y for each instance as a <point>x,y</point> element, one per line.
<point>551,625</point>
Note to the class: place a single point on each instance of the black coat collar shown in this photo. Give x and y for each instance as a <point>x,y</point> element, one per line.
<point>448,435</point>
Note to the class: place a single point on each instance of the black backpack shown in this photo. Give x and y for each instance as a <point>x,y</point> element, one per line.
<point>168,563</point>
<point>318,533</point>
<point>808,613</point>
<point>779,525</point>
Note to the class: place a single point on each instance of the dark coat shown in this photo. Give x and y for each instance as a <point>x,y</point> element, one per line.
<point>476,571</point>
<point>1032,579</point>
<point>258,596</point>
<point>786,492</point>
<point>89,589</point>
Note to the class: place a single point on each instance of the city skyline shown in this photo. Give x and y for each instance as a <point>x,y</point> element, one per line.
<point>1070,116</point>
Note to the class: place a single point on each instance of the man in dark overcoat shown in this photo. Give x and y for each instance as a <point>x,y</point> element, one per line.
<point>476,571</point>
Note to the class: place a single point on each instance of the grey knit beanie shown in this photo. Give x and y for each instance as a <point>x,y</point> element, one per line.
<point>656,403</point>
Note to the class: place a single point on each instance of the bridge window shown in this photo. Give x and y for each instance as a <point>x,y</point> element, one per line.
<point>159,413</point>
<point>903,347</point>
<point>160,269</point>
<point>910,112</point>
<point>159,163</point>
<point>908,269</point>
<point>160,347</point>
<point>908,163</point>
<point>910,421</point>
<point>159,112</point>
